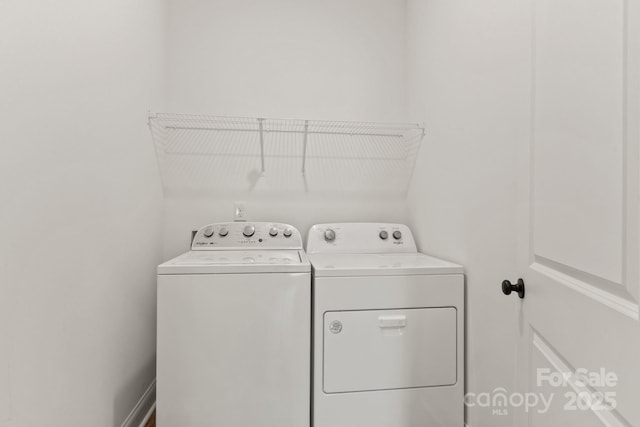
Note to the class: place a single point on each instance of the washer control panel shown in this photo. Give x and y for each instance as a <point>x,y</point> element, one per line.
<point>246,235</point>
<point>360,238</point>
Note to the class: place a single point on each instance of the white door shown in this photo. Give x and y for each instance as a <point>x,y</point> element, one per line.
<point>579,219</point>
<point>369,350</point>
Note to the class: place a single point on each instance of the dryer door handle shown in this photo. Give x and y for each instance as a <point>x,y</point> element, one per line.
<point>392,322</point>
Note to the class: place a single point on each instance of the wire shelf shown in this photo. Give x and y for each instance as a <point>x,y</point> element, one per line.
<point>200,154</point>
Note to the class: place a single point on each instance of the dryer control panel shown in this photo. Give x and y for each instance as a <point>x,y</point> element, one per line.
<point>361,238</point>
<point>246,235</point>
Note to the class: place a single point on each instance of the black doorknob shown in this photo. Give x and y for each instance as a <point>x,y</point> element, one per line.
<point>508,287</point>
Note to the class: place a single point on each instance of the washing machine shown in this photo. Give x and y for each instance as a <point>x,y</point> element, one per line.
<point>388,328</point>
<point>234,319</point>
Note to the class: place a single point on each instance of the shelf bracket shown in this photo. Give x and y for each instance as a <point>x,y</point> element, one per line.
<point>261,125</point>
<point>150,117</point>
<point>304,146</point>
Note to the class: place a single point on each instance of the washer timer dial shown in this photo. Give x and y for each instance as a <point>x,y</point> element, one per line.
<point>249,231</point>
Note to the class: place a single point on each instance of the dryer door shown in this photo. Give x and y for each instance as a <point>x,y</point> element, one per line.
<point>389,349</point>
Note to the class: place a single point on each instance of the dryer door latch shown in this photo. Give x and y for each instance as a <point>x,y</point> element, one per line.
<point>392,322</point>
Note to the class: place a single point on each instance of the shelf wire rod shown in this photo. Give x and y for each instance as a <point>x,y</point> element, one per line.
<point>386,135</point>
<point>304,146</point>
<point>261,124</point>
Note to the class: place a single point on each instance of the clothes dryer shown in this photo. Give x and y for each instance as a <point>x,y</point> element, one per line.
<point>388,327</point>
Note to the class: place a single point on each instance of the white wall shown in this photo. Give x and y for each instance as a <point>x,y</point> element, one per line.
<point>81,208</point>
<point>333,59</point>
<point>77,317</point>
<point>468,68</point>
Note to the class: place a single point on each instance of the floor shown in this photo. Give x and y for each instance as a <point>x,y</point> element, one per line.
<point>152,420</point>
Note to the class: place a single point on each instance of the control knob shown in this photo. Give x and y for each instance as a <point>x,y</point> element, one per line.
<point>397,235</point>
<point>249,231</point>
<point>208,232</point>
<point>287,232</point>
<point>384,235</point>
<point>329,235</point>
<point>223,232</point>
<point>273,232</point>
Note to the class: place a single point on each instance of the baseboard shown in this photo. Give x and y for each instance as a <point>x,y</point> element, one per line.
<point>143,409</point>
<point>147,417</point>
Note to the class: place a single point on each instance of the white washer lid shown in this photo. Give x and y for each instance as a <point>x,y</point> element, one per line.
<point>251,261</point>
<point>394,264</point>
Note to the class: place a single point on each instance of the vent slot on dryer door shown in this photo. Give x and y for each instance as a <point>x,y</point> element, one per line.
<point>371,350</point>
